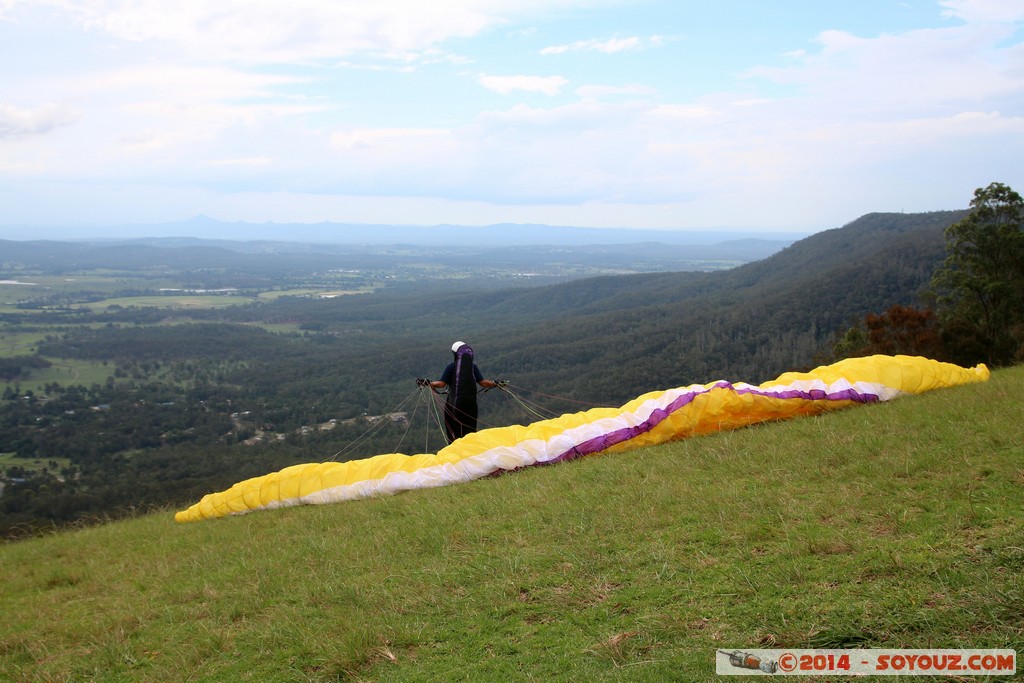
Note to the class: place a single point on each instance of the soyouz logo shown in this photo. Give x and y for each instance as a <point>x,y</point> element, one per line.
<point>877,662</point>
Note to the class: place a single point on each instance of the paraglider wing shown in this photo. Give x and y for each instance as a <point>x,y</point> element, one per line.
<point>653,418</point>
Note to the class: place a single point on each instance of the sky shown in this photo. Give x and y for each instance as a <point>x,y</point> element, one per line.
<point>795,115</point>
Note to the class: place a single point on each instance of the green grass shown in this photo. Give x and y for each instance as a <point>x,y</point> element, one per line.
<point>18,343</point>
<point>68,372</point>
<point>65,372</point>
<point>278,328</point>
<point>325,291</point>
<point>33,464</point>
<point>97,281</point>
<point>894,525</point>
<point>184,301</point>
<point>11,294</point>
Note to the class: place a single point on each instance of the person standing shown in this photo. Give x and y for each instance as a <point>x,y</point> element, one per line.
<point>461,378</point>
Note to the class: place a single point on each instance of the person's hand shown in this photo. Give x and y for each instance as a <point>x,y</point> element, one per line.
<point>421,382</point>
<point>501,383</point>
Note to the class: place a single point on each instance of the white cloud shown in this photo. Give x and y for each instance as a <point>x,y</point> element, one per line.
<point>384,138</point>
<point>267,110</point>
<point>609,46</point>
<point>171,82</point>
<point>905,74</point>
<point>260,207</point>
<point>18,123</point>
<point>243,162</point>
<point>597,92</point>
<point>504,85</point>
<point>257,31</point>
<point>268,31</point>
<point>679,113</point>
<point>984,11</point>
<point>389,161</point>
<point>149,118</point>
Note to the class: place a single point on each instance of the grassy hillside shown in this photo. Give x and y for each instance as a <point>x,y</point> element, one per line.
<point>892,525</point>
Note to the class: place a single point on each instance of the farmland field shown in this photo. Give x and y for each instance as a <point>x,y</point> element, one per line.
<point>188,301</point>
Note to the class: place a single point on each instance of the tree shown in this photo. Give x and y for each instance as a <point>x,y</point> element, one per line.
<point>981,281</point>
<point>900,330</point>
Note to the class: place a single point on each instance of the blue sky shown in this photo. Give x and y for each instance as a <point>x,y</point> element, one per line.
<point>668,114</point>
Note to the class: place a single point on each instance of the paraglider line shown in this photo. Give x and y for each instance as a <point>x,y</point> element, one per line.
<point>436,411</point>
<point>372,429</point>
<point>560,398</point>
<point>408,426</point>
<point>529,407</point>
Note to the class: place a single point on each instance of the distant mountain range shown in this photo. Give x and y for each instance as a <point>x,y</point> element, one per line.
<point>502,234</point>
<point>271,248</point>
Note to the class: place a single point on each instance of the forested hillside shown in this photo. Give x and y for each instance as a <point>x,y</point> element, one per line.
<point>188,393</point>
<point>750,323</point>
<point>605,339</point>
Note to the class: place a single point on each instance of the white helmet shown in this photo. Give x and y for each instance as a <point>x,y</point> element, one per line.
<point>457,345</point>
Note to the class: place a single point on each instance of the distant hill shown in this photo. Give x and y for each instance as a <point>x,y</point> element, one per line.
<point>278,258</point>
<point>501,234</point>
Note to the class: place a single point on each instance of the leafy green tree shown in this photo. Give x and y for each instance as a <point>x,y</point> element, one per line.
<point>981,281</point>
